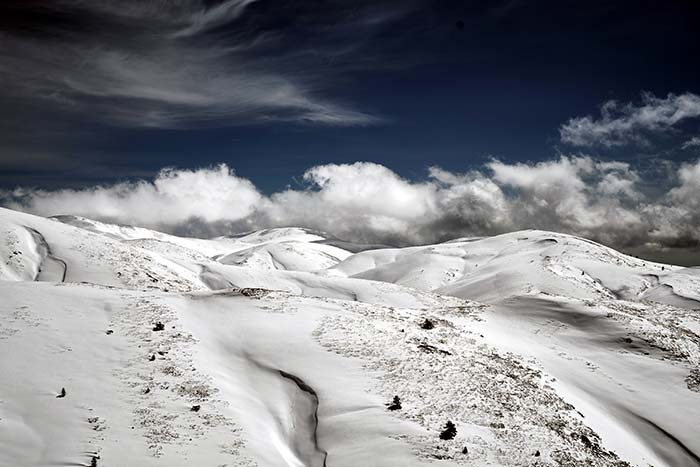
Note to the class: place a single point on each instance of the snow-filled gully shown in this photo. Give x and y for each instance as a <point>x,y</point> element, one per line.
<point>276,406</point>
<point>294,408</point>
<point>51,269</point>
<point>314,398</point>
<point>672,440</point>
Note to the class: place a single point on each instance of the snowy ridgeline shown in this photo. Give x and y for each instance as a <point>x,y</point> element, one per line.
<point>122,346</point>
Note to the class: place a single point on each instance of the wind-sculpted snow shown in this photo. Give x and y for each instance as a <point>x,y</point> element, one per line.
<point>506,412</point>
<point>623,364</point>
<point>680,288</point>
<point>126,346</point>
<point>284,234</point>
<point>287,256</point>
<point>495,268</point>
<point>21,255</point>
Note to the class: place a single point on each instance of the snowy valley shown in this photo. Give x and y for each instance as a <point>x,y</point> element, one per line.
<point>123,346</point>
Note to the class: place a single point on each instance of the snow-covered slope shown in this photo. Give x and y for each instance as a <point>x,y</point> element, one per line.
<point>619,334</point>
<point>283,234</point>
<point>290,248</point>
<point>528,262</point>
<point>23,253</point>
<point>276,348</point>
<point>288,256</point>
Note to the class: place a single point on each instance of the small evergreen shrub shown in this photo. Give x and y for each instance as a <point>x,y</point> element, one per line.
<point>449,432</point>
<point>395,404</point>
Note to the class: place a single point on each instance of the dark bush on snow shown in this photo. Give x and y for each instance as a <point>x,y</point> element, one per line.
<point>395,404</point>
<point>449,432</point>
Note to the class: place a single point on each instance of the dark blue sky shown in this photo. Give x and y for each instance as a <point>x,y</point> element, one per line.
<point>101,91</point>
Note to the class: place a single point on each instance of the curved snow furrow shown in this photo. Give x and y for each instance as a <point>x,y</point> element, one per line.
<point>625,428</point>
<point>665,293</point>
<point>691,459</point>
<point>604,360</point>
<point>213,280</point>
<point>51,268</point>
<point>278,264</point>
<point>278,410</point>
<point>330,257</point>
<point>314,397</point>
<point>25,255</point>
<point>293,405</point>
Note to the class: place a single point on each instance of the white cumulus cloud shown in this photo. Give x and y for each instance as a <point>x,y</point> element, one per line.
<point>367,202</point>
<point>173,197</point>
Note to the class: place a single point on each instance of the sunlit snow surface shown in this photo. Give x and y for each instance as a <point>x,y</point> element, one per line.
<point>280,349</point>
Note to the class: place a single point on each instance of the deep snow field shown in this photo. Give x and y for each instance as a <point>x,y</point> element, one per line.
<point>284,348</point>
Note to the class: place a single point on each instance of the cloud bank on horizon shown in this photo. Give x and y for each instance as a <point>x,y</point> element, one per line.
<point>606,200</point>
<point>367,202</point>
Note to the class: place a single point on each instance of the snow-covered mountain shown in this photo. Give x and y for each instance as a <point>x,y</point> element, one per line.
<point>124,346</point>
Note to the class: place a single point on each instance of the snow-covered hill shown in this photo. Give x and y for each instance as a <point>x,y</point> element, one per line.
<point>528,262</point>
<point>285,348</point>
<point>288,256</point>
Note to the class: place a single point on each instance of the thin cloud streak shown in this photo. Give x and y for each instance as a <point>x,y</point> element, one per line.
<point>693,142</point>
<point>214,16</point>
<point>135,65</point>
<point>621,125</point>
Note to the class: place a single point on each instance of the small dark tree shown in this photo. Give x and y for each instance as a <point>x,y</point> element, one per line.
<point>93,461</point>
<point>62,394</point>
<point>395,404</point>
<point>449,432</point>
<point>195,408</point>
<point>427,324</point>
<point>158,326</point>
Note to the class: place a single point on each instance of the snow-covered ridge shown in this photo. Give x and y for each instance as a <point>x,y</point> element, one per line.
<point>287,255</point>
<point>281,234</point>
<point>497,268</point>
<point>283,348</point>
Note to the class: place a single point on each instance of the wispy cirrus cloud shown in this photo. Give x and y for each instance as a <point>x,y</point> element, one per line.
<point>693,142</point>
<point>214,16</point>
<point>622,124</point>
<point>137,91</point>
<point>174,64</point>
